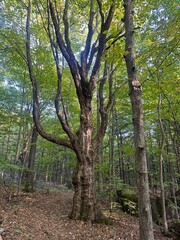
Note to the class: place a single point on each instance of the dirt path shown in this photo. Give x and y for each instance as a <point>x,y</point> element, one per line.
<point>44,216</point>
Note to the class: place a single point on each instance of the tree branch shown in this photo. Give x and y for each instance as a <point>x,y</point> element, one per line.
<point>104,110</point>
<point>36,105</point>
<point>102,42</point>
<point>85,52</point>
<point>66,27</point>
<point>64,124</point>
<point>68,54</point>
<point>100,11</point>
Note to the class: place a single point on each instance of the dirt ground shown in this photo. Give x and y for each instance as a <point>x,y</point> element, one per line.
<point>44,215</point>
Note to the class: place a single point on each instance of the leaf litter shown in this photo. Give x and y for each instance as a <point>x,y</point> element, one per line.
<point>43,215</point>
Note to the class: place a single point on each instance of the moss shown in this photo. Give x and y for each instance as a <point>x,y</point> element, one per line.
<point>105,221</point>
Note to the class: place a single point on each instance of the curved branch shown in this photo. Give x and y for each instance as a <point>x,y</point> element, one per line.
<point>64,124</point>
<point>66,27</point>
<point>104,110</point>
<point>36,105</point>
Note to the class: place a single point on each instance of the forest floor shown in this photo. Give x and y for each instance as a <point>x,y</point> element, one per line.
<point>43,215</point>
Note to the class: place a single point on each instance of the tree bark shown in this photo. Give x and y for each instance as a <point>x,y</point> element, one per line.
<point>84,203</point>
<point>145,215</point>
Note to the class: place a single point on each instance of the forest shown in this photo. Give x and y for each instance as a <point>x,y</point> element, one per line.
<point>89,119</point>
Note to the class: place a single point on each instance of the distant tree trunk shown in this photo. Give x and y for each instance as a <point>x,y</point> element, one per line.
<point>111,151</point>
<point>161,167</point>
<point>29,175</point>
<point>8,139</point>
<point>99,157</point>
<point>145,215</point>
<point>20,128</point>
<point>24,155</point>
<point>173,192</point>
<point>120,152</point>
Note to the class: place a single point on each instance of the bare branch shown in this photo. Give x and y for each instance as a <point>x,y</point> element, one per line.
<point>94,50</point>
<point>102,42</point>
<point>100,11</point>
<point>90,32</point>
<point>59,37</point>
<point>64,124</point>
<point>104,110</point>
<point>66,27</point>
<point>68,54</point>
<point>85,52</point>
<point>115,40</point>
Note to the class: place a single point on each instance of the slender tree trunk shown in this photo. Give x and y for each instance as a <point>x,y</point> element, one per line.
<point>111,152</point>
<point>29,175</point>
<point>99,157</point>
<point>145,215</point>
<point>20,128</point>
<point>161,167</point>
<point>24,157</point>
<point>8,140</point>
<point>173,192</point>
<point>120,152</point>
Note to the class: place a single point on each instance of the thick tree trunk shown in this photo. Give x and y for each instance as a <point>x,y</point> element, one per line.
<point>145,215</point>
<point>84,202</point>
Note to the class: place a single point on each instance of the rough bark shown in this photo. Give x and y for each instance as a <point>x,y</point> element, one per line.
<point>145,216</point>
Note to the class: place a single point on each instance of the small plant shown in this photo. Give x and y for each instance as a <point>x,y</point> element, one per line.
<point>131,206</point>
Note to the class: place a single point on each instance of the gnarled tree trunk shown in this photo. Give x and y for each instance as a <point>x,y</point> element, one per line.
<point>84,197</point>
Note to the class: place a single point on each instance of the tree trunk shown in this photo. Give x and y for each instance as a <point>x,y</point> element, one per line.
<point>84,202</point>
<point>99,157</point>
<point>29,175</point>
<point>161,165</point>
<point>145,215</point>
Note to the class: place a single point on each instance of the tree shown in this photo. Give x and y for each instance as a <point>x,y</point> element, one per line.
<point>84,73</point>
<point>145,216</point>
